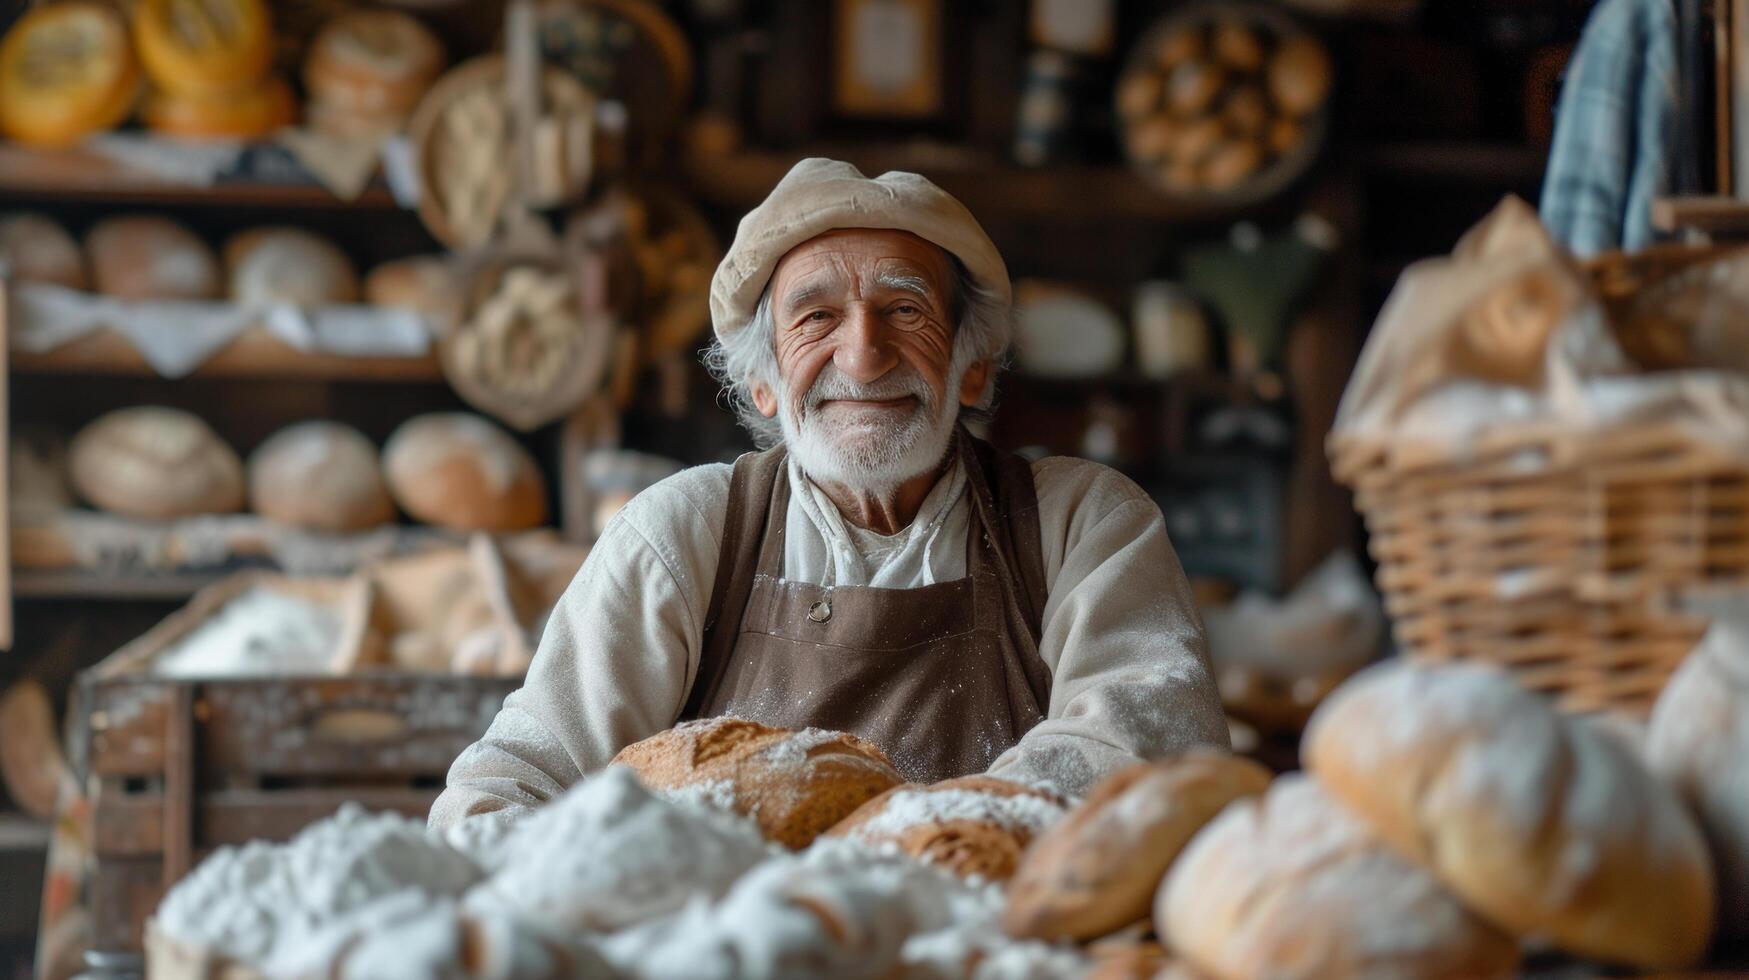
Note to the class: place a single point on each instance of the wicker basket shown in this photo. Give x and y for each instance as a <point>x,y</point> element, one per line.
<point>1559,555</point>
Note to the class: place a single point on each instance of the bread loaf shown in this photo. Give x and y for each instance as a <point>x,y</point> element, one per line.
<point>66,70</point>
<point>36,249</point>
<point>204,47</point>
<point>155,463</point>
<point>1097,870</point>
<point>459,471</point>
<point>975,826</point>
<point>145,257</point>
<point>1699,740</point>
<point>372,63</point>
<point>425,284</point>
<point>319,475</point>
<point>795,785</point>
<point>269,266</point>
<point>1544,826</point>
<point>1290,885</point>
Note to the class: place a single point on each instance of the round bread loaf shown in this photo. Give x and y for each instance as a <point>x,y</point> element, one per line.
<point>288,265</point>
<point>155,463</point>
<point>145,257</point>
<point>974,826</point>
<point>36,249</point>
<point>1544,826</point>
<point>1299,75</point>
<point>425,284</point>
<point>372,62</point>
<point>1290,885</point>
<point>1699,740</point>
<point>459,471</point>
<point>321,475</point>
<point>66,70</point>
<point>204,47</point>
<point>1097,871</point>
<point>795,785</point>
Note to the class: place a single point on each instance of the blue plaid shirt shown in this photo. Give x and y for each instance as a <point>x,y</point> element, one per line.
<point>1615,129</point>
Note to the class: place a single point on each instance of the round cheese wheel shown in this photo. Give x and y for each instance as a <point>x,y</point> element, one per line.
<point>144,257</point>
<point>370,62</point>
<point>204,47</point>
<point>249,113</point>
<point>36,249</point>
<point>288,265</point>
<point>459,471</point>
<point>320,475</point>
<point>155,463</point>
<point>66,70</point>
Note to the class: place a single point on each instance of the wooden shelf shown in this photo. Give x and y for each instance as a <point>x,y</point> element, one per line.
<point>991,189</point>
<point>168,587</point>
<point>255,353</point>
<point>1727,216</point>
<point>76,174</point>
<point>1493,164</point>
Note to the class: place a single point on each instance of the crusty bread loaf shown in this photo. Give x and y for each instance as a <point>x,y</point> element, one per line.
<point>1699,740</point>
<point>148,257</point>
<point>424,284</point>
<point>460,471</point>
<point>320,475</point>
<point>36,249</point>
<point>155,463</point>
<point>1291,885</point>
<point>974,826</point>
<point>1097,870</point>
<point>288,265</point>
<point>1545,826</point>
<point>795,785</point>
<point>372,63</point>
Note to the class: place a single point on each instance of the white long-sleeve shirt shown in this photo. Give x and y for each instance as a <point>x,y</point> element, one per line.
<point>1130,675</point>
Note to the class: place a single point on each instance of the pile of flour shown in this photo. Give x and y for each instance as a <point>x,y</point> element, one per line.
<point>243,901</point>
<point>259,632</point>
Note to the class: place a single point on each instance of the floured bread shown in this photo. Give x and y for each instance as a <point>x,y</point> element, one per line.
<point>459,471</point>
<point>155,463</point>
<point>34,248</point>
<point>1097,870</point>
<point>1545,826</point>
<point>972,826</point>
<point>795,785</point>
<point>319,475</point>
<point>145,257</point>
<point>1290,885</point>
<point>288,265</point>
<point>1699,740</point>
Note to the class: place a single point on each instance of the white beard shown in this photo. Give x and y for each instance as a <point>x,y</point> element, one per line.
<point>868,452</point>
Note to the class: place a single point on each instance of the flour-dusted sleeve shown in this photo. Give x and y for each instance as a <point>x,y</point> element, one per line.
<point>616,660</point>
<point>1130,675</point>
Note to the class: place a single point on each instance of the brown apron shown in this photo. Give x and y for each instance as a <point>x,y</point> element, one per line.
<point>944,677</point>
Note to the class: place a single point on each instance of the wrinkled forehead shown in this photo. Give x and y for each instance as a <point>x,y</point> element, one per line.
<point>840,263</point>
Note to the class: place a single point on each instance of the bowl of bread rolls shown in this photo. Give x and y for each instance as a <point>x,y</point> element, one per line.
<point>1224,103</point>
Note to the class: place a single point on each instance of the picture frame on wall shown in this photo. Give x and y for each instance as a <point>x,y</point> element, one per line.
<point>887,59</point>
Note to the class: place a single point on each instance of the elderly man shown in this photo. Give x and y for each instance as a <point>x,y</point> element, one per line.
<point>876,569</point>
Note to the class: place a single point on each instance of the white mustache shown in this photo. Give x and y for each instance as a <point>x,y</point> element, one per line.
<point>832,384</point>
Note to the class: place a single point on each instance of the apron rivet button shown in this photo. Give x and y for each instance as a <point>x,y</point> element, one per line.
<point>820,611</point>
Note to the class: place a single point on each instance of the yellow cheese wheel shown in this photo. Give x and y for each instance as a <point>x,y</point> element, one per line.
<point>66,71</point>
<point>204,47</point>
<point>248,114</point>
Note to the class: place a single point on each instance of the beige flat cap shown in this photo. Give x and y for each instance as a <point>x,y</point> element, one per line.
<point>820,195</point>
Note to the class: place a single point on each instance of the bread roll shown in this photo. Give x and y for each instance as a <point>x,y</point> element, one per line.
<point>459,471</point>
<point>204,47</point>
<point>1699,740</point>
<point>144,257</point>
<point>1291,885</point>
<point>1097,870</point>
<point>1238,47</point>
<point>155,463</point>
<point>288,265</point>
<point>1299,75</point>
<point>975,826</point>
<point>372,62</point>
<point>320,475</point>
<point>245,114</point>
<point>1546,827</point>
<point>66,70</point>
<point>795,785</point>
<point>36,249</point>
<point>1192,86</point>
<point>425,284</point>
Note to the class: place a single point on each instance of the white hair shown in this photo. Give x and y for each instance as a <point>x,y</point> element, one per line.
<point>749,356</point>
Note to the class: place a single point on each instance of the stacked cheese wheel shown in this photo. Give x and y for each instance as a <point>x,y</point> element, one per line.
<point>66,71</point>
<point>1222,99</point>
<point>210,62</point>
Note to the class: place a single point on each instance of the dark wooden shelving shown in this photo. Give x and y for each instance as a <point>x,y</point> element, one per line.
<point>169,587</point>
<point>254,354</point>
<point>1506,164</point>
<point>81,175</point>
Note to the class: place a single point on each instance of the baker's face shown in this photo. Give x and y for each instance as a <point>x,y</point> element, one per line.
<point>864,339</point>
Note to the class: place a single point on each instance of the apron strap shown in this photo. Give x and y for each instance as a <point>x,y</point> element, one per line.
<point>1005,502</point>
<point>744,530</point>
